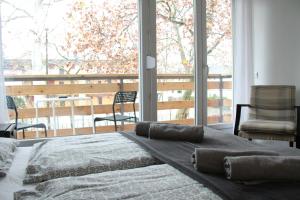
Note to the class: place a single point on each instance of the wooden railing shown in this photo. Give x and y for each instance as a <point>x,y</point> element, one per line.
<point>31,85</point>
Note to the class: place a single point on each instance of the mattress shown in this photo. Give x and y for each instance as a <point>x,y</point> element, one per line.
<point>81,155</point>
<point>152,182</point>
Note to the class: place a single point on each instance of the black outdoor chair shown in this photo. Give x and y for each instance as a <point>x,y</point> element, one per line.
<point>121,98</point>
<point>22,126</point>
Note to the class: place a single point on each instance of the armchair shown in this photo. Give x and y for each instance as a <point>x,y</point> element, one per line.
<point>272,115</point>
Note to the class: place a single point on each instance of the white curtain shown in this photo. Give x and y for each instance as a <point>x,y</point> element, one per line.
<point>3,107</point>
<point>243,51</point>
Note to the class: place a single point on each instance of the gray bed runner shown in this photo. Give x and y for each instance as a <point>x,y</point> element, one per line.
<point>178,154</point>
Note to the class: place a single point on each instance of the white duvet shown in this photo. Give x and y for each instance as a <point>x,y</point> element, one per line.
<point>7,149</point>
<point>81,155</point>
<point>152,182</point>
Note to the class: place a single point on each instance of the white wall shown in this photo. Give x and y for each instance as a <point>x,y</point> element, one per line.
<point>276,31</point>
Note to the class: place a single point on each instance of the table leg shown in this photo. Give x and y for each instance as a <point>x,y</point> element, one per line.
<point>54,117</point>
<point>36,118</point>
<point>72,117</point>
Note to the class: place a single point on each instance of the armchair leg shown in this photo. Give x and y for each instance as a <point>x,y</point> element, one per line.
<point>298,128</point>
<point>298,142</point>
<point>23,133</point>
<point>291,144</point>
<point>237,119</point>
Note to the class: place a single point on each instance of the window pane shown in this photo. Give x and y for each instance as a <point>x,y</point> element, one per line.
<point>67,38</point>
<point>219,58</point>
<point>175,59</point>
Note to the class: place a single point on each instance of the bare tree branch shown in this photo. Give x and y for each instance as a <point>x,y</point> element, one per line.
<point>17,8</point>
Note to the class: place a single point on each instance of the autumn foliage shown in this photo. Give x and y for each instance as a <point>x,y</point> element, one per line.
<point>102,36</point>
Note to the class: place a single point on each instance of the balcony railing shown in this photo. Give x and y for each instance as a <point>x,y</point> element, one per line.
<point>101,89</point>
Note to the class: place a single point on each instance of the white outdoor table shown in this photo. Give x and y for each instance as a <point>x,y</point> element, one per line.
<point>63,99</point>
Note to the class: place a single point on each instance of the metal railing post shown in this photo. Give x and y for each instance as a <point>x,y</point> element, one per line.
<point>122,104</point>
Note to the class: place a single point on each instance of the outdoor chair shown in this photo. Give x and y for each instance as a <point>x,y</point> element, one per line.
<point>272,115</point>
<point>22,126</point>
<point>121,98</point>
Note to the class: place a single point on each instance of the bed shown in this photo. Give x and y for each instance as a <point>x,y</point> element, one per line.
<point>135,177</point>
<point>123,165</point>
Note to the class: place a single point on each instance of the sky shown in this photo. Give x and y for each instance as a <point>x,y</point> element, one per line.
<point>22,29</point>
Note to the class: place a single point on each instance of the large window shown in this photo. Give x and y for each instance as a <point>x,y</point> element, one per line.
<point>57,41</point>
<point>89,49</point>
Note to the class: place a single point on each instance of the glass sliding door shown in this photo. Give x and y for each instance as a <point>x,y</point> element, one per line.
<point>219,60</point>
<point>175,61</point>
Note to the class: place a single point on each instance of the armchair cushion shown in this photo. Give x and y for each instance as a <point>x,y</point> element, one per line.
<point>272,102</point>
<point>269,126</point>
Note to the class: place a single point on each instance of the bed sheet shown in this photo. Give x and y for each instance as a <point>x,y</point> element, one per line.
<point>81,155</point>
<point>7,152</point>
<point>152,182</point>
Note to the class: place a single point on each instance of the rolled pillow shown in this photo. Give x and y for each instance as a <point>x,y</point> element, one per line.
<point>210,160</point>
<point>142,128</point>
<point>176,132</point>
<point>262,168</point>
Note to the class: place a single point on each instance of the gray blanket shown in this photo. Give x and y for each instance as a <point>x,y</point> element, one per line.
<point>176,132</point>
<point>81,155</point>
<point>212,160</point>
<point>263,168</point>
<point>152,182</point>
<point>7,149</point>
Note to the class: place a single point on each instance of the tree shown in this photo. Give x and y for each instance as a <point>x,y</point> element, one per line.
<point>103,36</point>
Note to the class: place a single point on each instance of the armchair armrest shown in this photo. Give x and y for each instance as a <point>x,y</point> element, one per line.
<point>238,117</point>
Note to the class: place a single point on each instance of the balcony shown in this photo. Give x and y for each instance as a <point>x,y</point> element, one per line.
<point>101,88</point>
